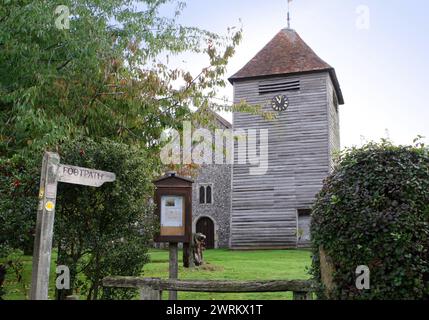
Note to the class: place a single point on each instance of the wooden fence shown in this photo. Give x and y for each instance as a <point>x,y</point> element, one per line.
<point>152,288</point>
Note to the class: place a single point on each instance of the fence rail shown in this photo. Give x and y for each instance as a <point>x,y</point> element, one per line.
<point>151,288</point>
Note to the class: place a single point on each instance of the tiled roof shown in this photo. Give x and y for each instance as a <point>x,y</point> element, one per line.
<point>215,119</point>
<point>286,54</point>
<point>223,121</point>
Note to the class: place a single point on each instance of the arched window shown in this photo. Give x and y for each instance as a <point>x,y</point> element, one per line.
<point>209,194</point>
<point>202,194</point>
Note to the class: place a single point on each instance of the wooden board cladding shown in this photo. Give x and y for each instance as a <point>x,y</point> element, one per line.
<point>334,123</point>
<point>264,207</point>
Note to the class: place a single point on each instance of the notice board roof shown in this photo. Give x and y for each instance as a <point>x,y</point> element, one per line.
<point>171,179</point>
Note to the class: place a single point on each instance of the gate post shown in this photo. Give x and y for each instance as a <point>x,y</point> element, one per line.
<point>149,293</point>
<point>297,295</point>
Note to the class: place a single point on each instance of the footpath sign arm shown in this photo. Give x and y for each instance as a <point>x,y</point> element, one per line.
<point>84,176</point>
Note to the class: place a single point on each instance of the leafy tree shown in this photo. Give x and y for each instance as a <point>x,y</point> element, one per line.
<point>106,77</point>
<point>374,210</point>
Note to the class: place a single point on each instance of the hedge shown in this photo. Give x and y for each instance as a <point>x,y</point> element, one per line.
<point>373,210</point>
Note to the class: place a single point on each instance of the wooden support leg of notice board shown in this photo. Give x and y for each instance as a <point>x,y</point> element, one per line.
<point>188,259</point>
<point>174,267</point>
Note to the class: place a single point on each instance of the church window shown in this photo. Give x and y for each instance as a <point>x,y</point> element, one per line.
<point>202,194</point>
<point>206,194</point>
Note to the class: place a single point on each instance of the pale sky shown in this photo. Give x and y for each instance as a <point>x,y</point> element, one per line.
<point>382,69</point>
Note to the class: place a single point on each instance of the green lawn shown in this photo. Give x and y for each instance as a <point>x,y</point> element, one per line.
<point>220,265</point>
<point>20,290</point>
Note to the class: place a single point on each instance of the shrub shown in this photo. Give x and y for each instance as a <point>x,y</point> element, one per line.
<point>373,210</point>
<point>105,231</point>
<point>19,184</point>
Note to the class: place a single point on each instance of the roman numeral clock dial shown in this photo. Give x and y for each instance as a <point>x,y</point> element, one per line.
<point>280,103</point>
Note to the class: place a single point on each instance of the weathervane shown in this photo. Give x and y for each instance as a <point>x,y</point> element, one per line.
<point>288,13</point>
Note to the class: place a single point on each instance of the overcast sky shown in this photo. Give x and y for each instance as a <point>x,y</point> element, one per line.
<point>382,63</point>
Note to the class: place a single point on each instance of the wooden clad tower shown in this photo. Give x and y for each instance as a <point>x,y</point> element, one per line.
<point>287,77</point>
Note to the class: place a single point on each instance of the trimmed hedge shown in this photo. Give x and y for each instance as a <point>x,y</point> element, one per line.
<point>374,210</point>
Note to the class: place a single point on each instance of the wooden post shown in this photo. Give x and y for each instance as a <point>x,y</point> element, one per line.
<point>44,227</point>
<point>186,255</point>
<point>188,259</point>
<point>297,295</point>
<point>174,267</point>
<point>327,271</point>
<point>148,293</point>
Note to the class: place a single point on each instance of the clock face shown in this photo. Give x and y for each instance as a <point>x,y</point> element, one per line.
<point>280,103</point>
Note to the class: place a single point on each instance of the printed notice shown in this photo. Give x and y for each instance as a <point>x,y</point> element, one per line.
<point>171,211</point>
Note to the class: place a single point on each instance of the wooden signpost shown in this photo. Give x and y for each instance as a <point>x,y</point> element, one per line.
<point>52,173</point>
<point>173,198</point>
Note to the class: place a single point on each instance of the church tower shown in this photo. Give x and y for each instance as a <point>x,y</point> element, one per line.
<point>272,210</point>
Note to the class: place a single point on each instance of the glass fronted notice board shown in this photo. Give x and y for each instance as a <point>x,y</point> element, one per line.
<point>172,215</point>
<point>173,199</point>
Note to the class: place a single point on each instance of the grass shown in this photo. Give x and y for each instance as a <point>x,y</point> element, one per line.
<point>237,265</point>
<point>220,265</point>
<point>21,290</point>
